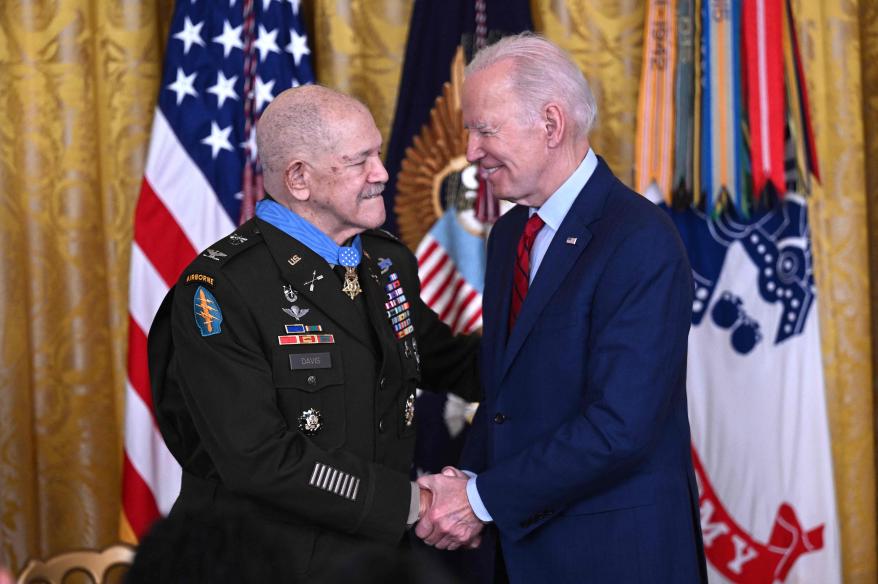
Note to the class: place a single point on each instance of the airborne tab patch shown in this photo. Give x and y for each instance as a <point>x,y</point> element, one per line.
<point>208,315</point>
<point>199,279</point>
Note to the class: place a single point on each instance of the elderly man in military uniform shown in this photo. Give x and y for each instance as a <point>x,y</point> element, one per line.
<point>284,362</point>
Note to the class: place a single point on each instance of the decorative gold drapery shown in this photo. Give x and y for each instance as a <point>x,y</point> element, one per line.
<point>78,81</point>
<point>833,62</point>
<point>359,47</point>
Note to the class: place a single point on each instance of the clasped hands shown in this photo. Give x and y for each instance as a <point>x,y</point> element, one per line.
<point>447,520</point>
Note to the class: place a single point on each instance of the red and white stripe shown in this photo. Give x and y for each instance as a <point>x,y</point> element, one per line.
<point>445,290</point>
<point>178,214</point>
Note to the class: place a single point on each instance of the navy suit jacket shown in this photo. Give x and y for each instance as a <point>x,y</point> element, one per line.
<point>582,443</point>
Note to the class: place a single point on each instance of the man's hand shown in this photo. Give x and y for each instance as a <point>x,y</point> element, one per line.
<point>425,501</point>
<point>449,522</point>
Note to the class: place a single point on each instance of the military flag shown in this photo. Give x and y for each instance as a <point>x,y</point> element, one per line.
<point>742,157</point>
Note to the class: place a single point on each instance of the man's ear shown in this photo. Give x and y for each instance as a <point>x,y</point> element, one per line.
<point>296,180</point>
<point>554,123</point>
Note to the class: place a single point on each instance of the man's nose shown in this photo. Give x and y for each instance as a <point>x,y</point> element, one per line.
<point>474,151</point>
<point>379,173</point>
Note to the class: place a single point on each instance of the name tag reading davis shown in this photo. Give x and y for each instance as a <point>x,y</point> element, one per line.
<point>310,361</point>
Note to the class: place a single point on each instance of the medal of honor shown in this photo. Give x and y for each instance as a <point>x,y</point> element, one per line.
<point>349,257</point>
<point>351,282</point>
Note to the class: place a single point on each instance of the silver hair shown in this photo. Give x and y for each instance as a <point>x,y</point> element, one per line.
<point>543,73</point>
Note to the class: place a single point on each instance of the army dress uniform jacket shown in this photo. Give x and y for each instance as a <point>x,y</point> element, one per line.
<point>283,398</point>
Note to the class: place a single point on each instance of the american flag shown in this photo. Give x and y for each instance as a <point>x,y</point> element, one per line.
<point>445,287</point>
<point>225,61</point>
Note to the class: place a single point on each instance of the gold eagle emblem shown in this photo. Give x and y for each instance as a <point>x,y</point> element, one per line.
<point>435,174</point>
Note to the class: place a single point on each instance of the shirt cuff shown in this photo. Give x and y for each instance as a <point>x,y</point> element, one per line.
<point>414,505</point>
<point>475,501</point>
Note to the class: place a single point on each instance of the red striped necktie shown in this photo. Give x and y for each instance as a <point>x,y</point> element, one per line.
<point>521,276</point>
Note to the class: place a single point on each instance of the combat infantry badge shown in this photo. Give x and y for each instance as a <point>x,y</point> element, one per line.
<point>293,310</point>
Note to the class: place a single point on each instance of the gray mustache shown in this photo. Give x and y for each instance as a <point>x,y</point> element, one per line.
<point>372,190</point>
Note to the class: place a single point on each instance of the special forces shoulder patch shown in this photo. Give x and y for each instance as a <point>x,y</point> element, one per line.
<point>208,315</point>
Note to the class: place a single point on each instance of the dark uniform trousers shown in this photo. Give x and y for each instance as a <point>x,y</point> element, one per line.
<point>285,400</point>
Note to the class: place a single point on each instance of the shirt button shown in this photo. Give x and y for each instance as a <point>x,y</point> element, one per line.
<point>312,380</point>
<point>499,418</point>
<point>381,425</point>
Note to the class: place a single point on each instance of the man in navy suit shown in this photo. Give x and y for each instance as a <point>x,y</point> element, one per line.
<point>579,454</point>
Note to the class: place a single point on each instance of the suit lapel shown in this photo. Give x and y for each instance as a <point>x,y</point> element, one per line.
<point>325,293</point>
<point>559,259</point>
<point>497,297</point>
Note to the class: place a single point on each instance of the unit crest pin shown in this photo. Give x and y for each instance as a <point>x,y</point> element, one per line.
<point>310,422</point>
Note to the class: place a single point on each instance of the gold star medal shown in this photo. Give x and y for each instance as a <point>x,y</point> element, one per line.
<point>349,257</point>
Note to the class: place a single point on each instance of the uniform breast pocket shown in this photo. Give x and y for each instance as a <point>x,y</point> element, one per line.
<point>310,391</point>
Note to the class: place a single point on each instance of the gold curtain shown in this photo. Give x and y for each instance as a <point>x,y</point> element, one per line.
<point>78,81</point>
<point>829,32</point>
<point>359,47</point>
<point>605,38</point>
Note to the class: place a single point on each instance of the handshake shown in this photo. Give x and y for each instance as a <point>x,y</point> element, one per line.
<point>445,518</point>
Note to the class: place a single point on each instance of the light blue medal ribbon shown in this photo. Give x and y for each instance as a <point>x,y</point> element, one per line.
<point>317,241</point>
<point>349,256</point>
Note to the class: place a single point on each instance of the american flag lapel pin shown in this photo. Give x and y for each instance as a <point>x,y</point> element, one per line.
<point>571,241</point>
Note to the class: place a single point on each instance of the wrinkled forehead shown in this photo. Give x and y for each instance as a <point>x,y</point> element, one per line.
<point>354,134</point>
<point>489,93</point>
